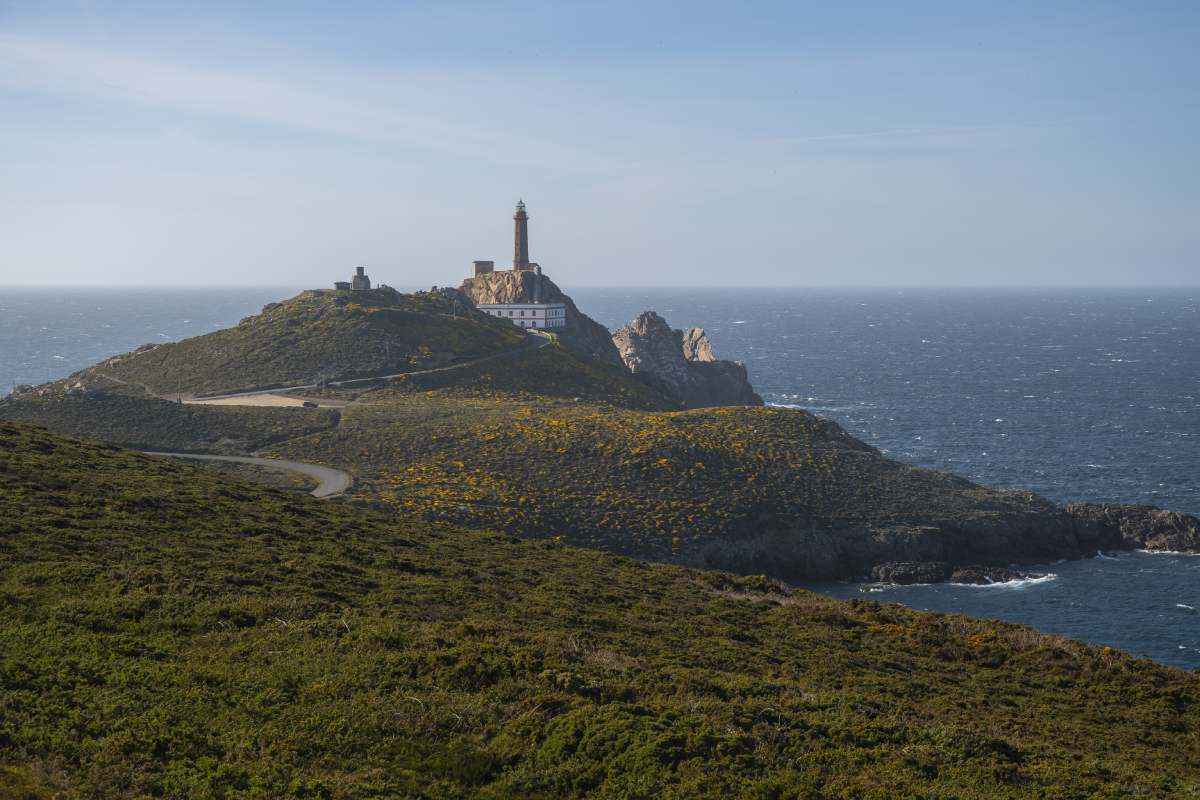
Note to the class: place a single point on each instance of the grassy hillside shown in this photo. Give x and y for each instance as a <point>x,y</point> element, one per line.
<point>169,631</point>
<point>134,420</point>
<point>556,372</point>
<point>753,489</point>
<point>315,334</point>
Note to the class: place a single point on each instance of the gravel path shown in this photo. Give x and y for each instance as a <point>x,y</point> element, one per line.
<point>536,342</point>
<point>330,481</point>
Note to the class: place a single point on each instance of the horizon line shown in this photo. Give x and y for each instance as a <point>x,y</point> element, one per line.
<point>721,287</point>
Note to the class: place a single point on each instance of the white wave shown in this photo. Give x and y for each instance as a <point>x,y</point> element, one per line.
<point>1167,552</point>
<point>1020,583</point>
<point>1184,605</point>
<point>738,322</point>
<point>1105,556</point>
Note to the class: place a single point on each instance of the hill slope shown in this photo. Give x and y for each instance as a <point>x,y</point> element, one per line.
<point>130,417</point>
<point>316,334</point>
<point>760,490</point>
<point>549,442</point>
<point>168,631</point>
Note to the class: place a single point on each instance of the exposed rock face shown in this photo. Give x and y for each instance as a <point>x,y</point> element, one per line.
<point>974,547</point>
<point>683,364</point>
<point>696,346</point>
<point>908,572</point>
<point>1136,527</point>
<point>582,333</point>
<point>984,575</point>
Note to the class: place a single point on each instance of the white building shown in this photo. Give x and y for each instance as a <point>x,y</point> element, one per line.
<point>540,316</point>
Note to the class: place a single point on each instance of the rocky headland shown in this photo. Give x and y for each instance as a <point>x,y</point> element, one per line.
<point>584,442</point>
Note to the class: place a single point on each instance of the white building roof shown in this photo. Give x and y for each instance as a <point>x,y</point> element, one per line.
<point>520,305</point>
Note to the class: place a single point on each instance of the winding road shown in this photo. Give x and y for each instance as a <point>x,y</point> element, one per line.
<point>330,481</point>
<point>536,341</point>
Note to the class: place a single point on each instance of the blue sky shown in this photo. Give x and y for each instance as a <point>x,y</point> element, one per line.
<point>655,144</point>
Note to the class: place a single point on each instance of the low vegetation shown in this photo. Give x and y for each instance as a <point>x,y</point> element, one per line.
<point>132,419</point>
<point>267,476</point>
<point>549,443</point>
<point>651,484</point>
<point>169,631</point>
<point>555,372</point>
<point>313,336</point>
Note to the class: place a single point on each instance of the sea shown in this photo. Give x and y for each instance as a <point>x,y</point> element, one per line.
<point>1077,394</point>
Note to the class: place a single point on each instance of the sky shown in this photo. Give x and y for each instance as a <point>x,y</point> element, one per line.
<point>655,144</point>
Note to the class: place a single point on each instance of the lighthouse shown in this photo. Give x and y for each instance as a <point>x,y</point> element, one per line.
<point>529,311</point>
<point>520,239</point>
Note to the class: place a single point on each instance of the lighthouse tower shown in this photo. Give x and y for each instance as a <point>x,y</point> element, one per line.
<point>520,238</point>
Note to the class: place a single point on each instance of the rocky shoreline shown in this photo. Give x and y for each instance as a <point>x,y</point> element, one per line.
<point>980,547</point>
<point>1107,526</point>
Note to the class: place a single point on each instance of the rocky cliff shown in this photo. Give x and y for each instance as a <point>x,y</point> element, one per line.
<point>683,363</point>
<point>1081,529</point>
<point>974,547</point>
<point>582,333</point>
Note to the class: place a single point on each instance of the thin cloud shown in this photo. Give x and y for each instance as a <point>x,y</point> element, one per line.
<point>46,66</point>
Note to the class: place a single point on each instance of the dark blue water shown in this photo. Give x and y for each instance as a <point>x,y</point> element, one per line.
<point>1076,394</point>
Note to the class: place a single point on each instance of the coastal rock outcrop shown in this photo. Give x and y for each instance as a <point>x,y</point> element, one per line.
<point>683,364</point>
<point>696,346</point>
<point>581,334</point>
<point>981,575</point>
<point>910,572</point>
<point>1135,527</point>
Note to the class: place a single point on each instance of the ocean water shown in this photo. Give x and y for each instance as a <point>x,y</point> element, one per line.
<point>1075,394</point>
<point>46,334</point>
